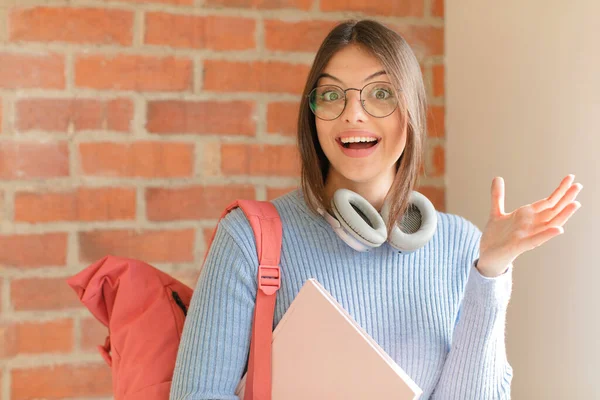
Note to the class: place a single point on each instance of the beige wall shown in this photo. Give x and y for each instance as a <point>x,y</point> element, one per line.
<point>523,102</point>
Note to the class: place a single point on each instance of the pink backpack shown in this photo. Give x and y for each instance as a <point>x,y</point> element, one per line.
<point>145,309</point>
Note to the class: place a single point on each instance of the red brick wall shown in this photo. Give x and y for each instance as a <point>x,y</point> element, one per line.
<point>127,126</point>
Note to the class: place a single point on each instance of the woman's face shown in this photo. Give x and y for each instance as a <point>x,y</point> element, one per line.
<point>366,162</point>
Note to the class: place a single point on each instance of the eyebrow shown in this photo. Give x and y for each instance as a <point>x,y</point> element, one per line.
<point>326,75</point>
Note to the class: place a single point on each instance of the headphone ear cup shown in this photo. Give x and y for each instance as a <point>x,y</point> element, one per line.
<point>359,218</point>
<point>416,227</point>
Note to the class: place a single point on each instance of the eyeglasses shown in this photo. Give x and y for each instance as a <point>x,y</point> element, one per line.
<point>328,102</point>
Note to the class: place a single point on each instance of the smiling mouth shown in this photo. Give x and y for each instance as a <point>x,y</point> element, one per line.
<point>359,145</point>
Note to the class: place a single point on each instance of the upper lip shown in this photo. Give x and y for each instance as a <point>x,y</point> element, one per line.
<point>357,133</point>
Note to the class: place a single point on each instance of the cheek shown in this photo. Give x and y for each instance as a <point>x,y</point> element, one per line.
<point>323,129</point>
<point>397,129</point>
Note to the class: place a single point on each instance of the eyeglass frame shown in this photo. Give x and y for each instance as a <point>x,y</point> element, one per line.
<point>361,101</point>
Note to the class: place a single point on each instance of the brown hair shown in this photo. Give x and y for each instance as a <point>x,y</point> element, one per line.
<point>403,69</point>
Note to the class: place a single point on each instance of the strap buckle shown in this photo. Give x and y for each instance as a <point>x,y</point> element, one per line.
<point>269,278</point>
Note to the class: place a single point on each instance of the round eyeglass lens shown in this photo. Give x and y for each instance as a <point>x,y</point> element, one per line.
<point>379,99</point>
<point>327,102</point>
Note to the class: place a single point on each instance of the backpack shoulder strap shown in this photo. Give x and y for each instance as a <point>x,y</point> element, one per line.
<point>266,225</point>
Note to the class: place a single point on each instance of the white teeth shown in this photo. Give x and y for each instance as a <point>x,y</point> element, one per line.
<point>357,139</point>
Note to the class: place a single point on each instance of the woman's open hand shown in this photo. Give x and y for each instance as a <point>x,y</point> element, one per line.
<point>506,236</point>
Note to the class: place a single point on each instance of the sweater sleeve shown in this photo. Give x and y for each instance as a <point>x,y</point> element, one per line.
<point>476,366</point>
<point>215,342</point>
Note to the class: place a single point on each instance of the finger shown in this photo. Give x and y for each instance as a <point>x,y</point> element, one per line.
<point>540,238</point>
<point>559,192</point>
<point>550,213</point>
<point>497,196</point>
<point>565,214</point>
<point>558,220</point>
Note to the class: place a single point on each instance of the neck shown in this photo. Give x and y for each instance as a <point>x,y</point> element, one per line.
<point>374,191</point>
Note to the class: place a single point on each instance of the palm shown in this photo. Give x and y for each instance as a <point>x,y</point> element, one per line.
<point>506,236</point>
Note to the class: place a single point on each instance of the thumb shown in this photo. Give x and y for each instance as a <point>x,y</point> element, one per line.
<point>497,196</point>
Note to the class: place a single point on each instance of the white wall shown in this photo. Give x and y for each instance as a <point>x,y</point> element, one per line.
<point>523,102</point>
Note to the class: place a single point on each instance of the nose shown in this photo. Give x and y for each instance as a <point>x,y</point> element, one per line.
<point>354,111</point>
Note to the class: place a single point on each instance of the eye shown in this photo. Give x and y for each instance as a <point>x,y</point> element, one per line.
<point>382,94</point>
<point>330,95</point>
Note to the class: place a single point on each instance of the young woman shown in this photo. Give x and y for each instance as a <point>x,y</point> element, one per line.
<point>435,299</point>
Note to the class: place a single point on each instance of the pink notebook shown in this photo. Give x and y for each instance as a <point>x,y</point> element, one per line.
<point>320,352</point>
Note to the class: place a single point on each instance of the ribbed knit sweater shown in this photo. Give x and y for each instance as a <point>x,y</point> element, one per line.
<point>430,310</point>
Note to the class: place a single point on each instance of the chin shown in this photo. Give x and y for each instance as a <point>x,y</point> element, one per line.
<point>361,176</point>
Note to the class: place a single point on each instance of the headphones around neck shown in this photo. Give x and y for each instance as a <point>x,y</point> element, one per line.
<point>359,224</point>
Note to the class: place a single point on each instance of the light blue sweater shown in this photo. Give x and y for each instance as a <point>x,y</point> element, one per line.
<point>431,311</point>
